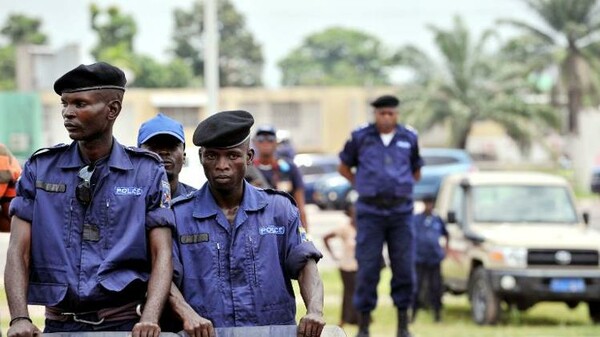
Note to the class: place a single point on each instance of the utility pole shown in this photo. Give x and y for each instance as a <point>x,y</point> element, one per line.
<point>211,56</point>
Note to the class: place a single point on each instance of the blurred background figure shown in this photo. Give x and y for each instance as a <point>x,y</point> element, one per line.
<point>10,170</point>
<point>429,228</point>
<point>281,173</point>
<point>285,148</point>
<point>346,261</point>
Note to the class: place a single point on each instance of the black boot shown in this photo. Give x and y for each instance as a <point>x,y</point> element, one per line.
<point>364,319</point>
<point>437,315</point>
<point>413,317</point>
<point>403,324</point>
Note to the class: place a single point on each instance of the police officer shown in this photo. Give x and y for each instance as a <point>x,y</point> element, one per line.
<point>91,223</point>
<point>238,247</point>
<point>387,161</point>
<point>165,137</point>
<point>429,228</point>
<point>281,173</point>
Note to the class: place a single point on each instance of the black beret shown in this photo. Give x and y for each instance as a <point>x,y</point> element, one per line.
<point>224,129</point>
<point>386,101</point>
<point>95,76</point>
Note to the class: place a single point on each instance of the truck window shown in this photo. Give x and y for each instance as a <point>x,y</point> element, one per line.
<point>457,203</point>
<point>523,204</point>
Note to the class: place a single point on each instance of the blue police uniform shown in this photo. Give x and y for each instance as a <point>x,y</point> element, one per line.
<point>384,182</point>
<point>283,175</point>
<point>88,258</point>
<point>240,274</point>
<point>182,190</point>
<point>429,229</point>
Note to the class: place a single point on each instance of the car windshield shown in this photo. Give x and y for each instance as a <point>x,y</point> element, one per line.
<point>436,160</point>
<point>317,169</point>
<point>521,203</point>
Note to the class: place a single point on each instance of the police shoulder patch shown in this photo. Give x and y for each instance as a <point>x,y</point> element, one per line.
<point>285,194</point>
<point>52,149</point>
<point>142,152</point>
<point>182,199</point>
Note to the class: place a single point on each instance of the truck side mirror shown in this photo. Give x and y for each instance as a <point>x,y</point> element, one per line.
<point>451,217</point>
<point>586,218</point>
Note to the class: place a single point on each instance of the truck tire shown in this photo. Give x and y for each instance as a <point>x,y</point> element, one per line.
<point>485,304</point>
<point>594,310</point>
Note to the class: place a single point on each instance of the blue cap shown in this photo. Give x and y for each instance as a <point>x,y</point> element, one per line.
<point>266,129</point>
<point>160,125</point>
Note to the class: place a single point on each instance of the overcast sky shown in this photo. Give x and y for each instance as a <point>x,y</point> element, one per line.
<point>278,25</point>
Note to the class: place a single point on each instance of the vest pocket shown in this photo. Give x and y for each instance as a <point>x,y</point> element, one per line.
<point>46,287</point>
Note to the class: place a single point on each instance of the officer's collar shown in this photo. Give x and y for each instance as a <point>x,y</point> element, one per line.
<point>252,201</point>
<point>118,158</point>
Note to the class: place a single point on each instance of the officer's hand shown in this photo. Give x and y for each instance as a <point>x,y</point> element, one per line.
<point>145,329</point>
<point>197,326</point>
<point>311,325</point>
<point>23,328</point>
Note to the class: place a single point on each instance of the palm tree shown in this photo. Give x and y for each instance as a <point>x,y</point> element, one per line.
<point>569,40</point>
<point>469,84</point>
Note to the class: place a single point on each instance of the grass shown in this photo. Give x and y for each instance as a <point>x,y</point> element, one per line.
<point>543,320</point>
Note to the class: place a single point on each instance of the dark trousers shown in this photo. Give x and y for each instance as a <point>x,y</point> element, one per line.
<point>429,286</point>
<point>372,231</point>
<point>349,314</point>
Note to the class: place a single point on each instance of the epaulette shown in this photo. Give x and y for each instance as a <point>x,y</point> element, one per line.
<point>182,198</point>
<point>140,151</point>
<point>52,149</point>
<point>285,194</point>
<point>411,129</point>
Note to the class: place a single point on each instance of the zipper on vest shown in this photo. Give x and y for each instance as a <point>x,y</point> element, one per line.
<point>219,259</point>
<point>107,226</point>
<point>253,260</point>
<point>70,228</point>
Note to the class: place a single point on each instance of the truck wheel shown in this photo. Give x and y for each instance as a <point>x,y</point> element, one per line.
<point>594,309</point>
<point>485,304</point>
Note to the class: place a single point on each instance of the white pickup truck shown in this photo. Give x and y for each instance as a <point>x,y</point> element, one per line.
<point>516,237</point>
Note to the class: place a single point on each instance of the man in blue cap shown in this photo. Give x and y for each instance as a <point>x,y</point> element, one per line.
<point>164,136</point>
<point>280,173</point>
<point>91,222</point>
<point>387,161</point>
<point>238,247</point>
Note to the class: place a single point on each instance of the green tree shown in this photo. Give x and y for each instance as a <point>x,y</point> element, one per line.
<point>21,29</point>
<point>240,56</point>
<point>116,35</point>
<point>151,74</point>
<point>117,30</point>
<point>337,56</point>
<point>567,38</point>
<point>470,84</point>
<point>18,29</point>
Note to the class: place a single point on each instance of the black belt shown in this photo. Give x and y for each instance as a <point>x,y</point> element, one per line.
<point>383,202</point>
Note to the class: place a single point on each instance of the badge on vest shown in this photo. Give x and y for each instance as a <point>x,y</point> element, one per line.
<point>403,144</point>
<point>49,187</point>
<point>91,233</point>
<point>193,238</point>
<point>277,230</point>
<point>119,190</point>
